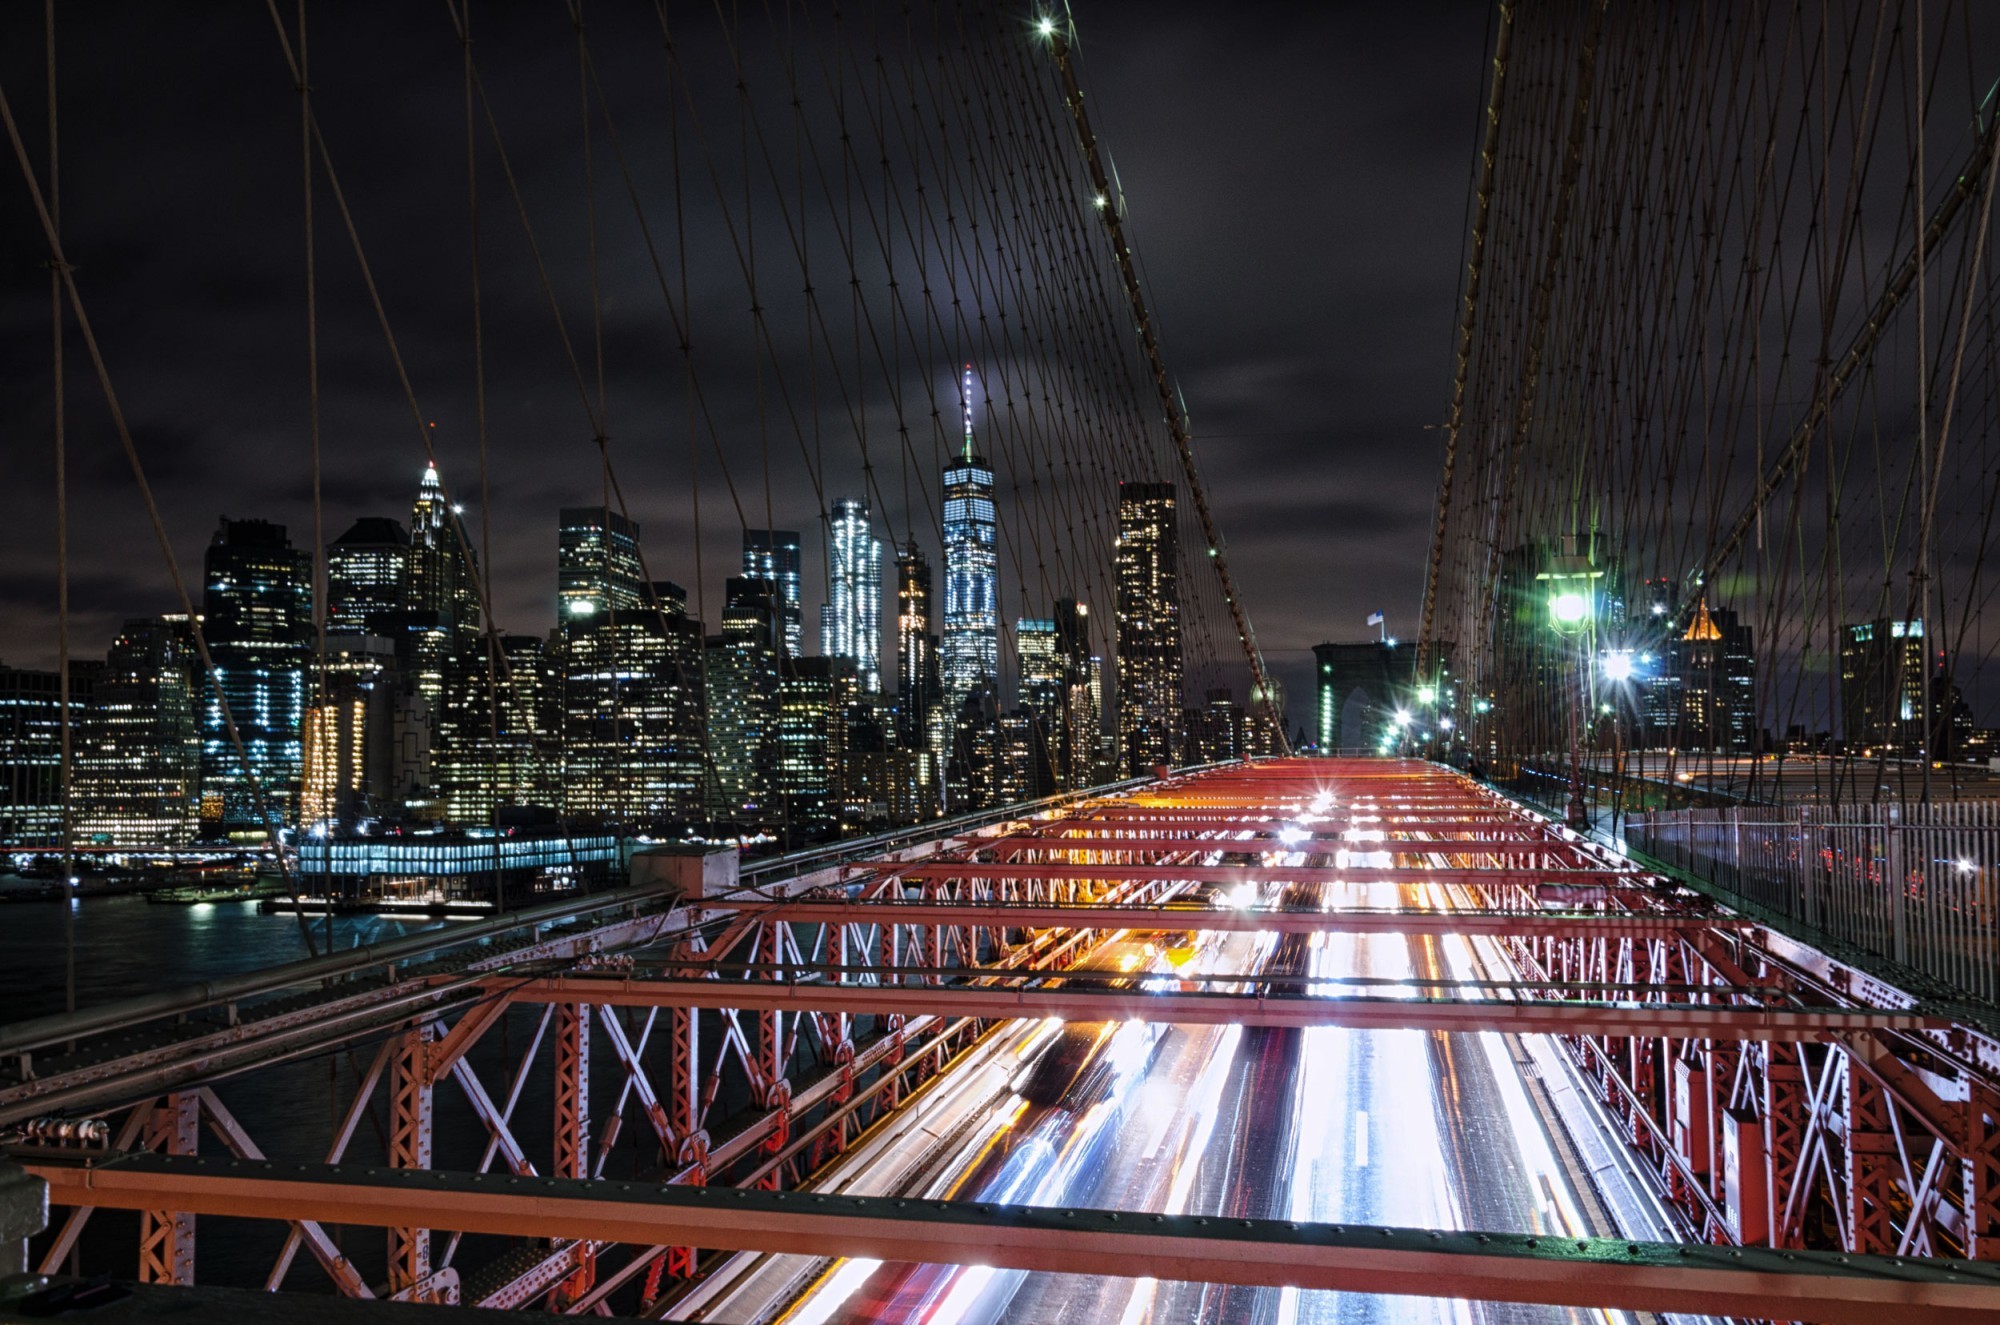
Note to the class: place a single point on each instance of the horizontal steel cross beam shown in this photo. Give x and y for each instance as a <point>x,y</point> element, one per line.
<point>1270,873</point>
<point>1503,1267</point>
<point>1492,924</point>
<point>1215,1009</point>
<point>1318,846</point>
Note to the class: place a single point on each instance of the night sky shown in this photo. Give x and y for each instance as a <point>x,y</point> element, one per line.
<point>1295,183</point>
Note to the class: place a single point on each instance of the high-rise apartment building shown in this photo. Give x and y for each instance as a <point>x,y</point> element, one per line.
<point>367,572</point>
<point>597,565</point>
<point>1149,626</point>
<point>440,569</point>
<point>775,555</point>
<point>850,621</point>
<point>257,617</point>
<point>136,765</point>
<point>971,645</point>
<point>367,737</point>
<point>920,721</point>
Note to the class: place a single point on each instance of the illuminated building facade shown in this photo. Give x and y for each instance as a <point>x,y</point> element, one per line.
<point>31,754</point>
<point>496,735</point>
<point>1219,730</point>
<point>1149,626</point>
<point>597,565</point>
<point>440,576</point>
<point>920,721</point>
<point>257,616</point>
<point>366,740</point>
<point>1079,735</point>
<point>632,704</point>
<point>367,570</point>
<point>850,621</point>
<point>1882,669</point>
<point>743,663</point>
<point>137,762</point>
<point>775,555</point>
<point>971,644</point>
<point>1043,675</point>
<point>815,697</point>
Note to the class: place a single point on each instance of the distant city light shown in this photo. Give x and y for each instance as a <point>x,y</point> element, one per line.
<point>1617,666</point>
<point>1427,695</point>
<point>1402,718</point>
<point>1047,27</point>
<point>1291,835</point>
<point>582,607</point>
<point>1445,723</point>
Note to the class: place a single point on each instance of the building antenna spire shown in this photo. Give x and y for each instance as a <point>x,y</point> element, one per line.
<point>965,397</point>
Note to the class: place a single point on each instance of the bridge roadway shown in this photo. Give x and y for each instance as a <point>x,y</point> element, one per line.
<point>1287,1128</point>
<point>1331,1125</point>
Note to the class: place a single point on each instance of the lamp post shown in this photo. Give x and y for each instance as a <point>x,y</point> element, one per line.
<point>1573,615</point>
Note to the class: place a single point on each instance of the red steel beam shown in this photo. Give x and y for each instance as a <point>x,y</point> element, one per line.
<point>1267,873</point>
<point>1492,924</point>
<point>1609,1274</point>
<point>1680,1020</point>
<point>1316,845</point>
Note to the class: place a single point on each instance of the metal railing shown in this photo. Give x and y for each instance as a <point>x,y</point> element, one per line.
<point>1912,884</point>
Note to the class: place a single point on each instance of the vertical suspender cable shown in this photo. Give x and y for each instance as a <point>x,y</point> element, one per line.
<point>319,578</point>
<point>62,529</point>
<point>1176,422</point>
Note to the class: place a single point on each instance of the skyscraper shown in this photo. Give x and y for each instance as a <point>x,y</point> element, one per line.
<point>971,648</point>
<point>440,575</point>
<point>920,721</point>
<point>597,564</point>
<point>850,622</point>
<point>1882,671</point>
<point>367,573</point>
<point>743,664</point>
<point>774,555</point>
<point>1044,690</point>
<point>497,742</point>
<point>633,705</point>
<point>1080,730</point>
<point>137,760</point>
<point>1149,626</point>
<point>31,714</point>
<point>814,697</point>
<point>257,615</point>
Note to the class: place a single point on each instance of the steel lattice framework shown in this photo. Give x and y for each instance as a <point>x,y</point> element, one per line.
<point>747,1035</point>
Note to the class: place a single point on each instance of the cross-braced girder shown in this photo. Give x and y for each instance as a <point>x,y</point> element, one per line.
<point>1780,1099</point>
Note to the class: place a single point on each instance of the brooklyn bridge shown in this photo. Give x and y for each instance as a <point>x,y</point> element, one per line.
<point>484,829</point>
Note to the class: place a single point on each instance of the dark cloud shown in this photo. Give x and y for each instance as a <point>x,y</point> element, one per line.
<point>1295,178</point>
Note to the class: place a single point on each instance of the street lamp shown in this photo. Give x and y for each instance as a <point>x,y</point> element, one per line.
<point>1572,581</point>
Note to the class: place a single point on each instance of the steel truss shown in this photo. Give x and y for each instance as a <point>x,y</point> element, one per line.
<point>1781,1098</point>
